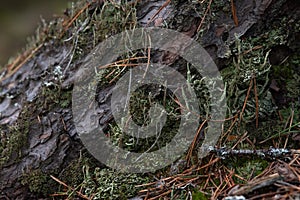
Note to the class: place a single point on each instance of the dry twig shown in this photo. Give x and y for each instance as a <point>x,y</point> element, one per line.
<point>69,187</point>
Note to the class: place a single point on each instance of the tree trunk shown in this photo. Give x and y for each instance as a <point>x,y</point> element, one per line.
<point>38,136</point>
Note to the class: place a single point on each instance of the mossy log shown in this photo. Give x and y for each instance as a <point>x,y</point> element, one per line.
<point>38,137</point>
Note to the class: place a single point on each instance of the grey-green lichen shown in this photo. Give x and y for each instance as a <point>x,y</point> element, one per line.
<point>99,183</point>
<point>252,60</point>
<point>108,184</point>
<point>238,77</point>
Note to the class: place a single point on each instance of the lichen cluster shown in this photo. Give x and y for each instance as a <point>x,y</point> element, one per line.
<point>250,61</point>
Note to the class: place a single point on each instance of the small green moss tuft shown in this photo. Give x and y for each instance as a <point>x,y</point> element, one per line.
<point>246,168</point>
<point>14,139</point>
<point>197,195</point>
<point>39,182</point>
<point>53,96</point>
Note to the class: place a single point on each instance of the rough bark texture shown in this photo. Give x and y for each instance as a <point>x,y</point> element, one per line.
<point>41,117</point>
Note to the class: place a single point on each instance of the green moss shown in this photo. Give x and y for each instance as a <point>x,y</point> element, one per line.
<point>238,74</point>
<point>53,96</point>
<point>73,174</point>
<point>39,182</point>
<point>246,167</point>
<point>238,77</point>
<point>244,67</point>
<point>115,18</point>
<point>288,74</point>
<point>197,195</point>
<point>251,168</point>
<point>14,139</point>
<point>96,24</point>
<point>140,102</point>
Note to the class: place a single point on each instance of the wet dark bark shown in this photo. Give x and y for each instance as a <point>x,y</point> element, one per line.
<point>51,142</point>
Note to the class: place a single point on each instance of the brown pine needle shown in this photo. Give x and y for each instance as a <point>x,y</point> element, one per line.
<point>120,62</point>
<point>69,187</point>
<point>208,164</point>
<point>192,147</point>
<point>203,18</point>
<point>159,10</point>
<point>234,16</point>
<point>252,49</point>
<point>15,68</point>
<point>77,15</point>
<point>111,73</point>
<point>230,127</point>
